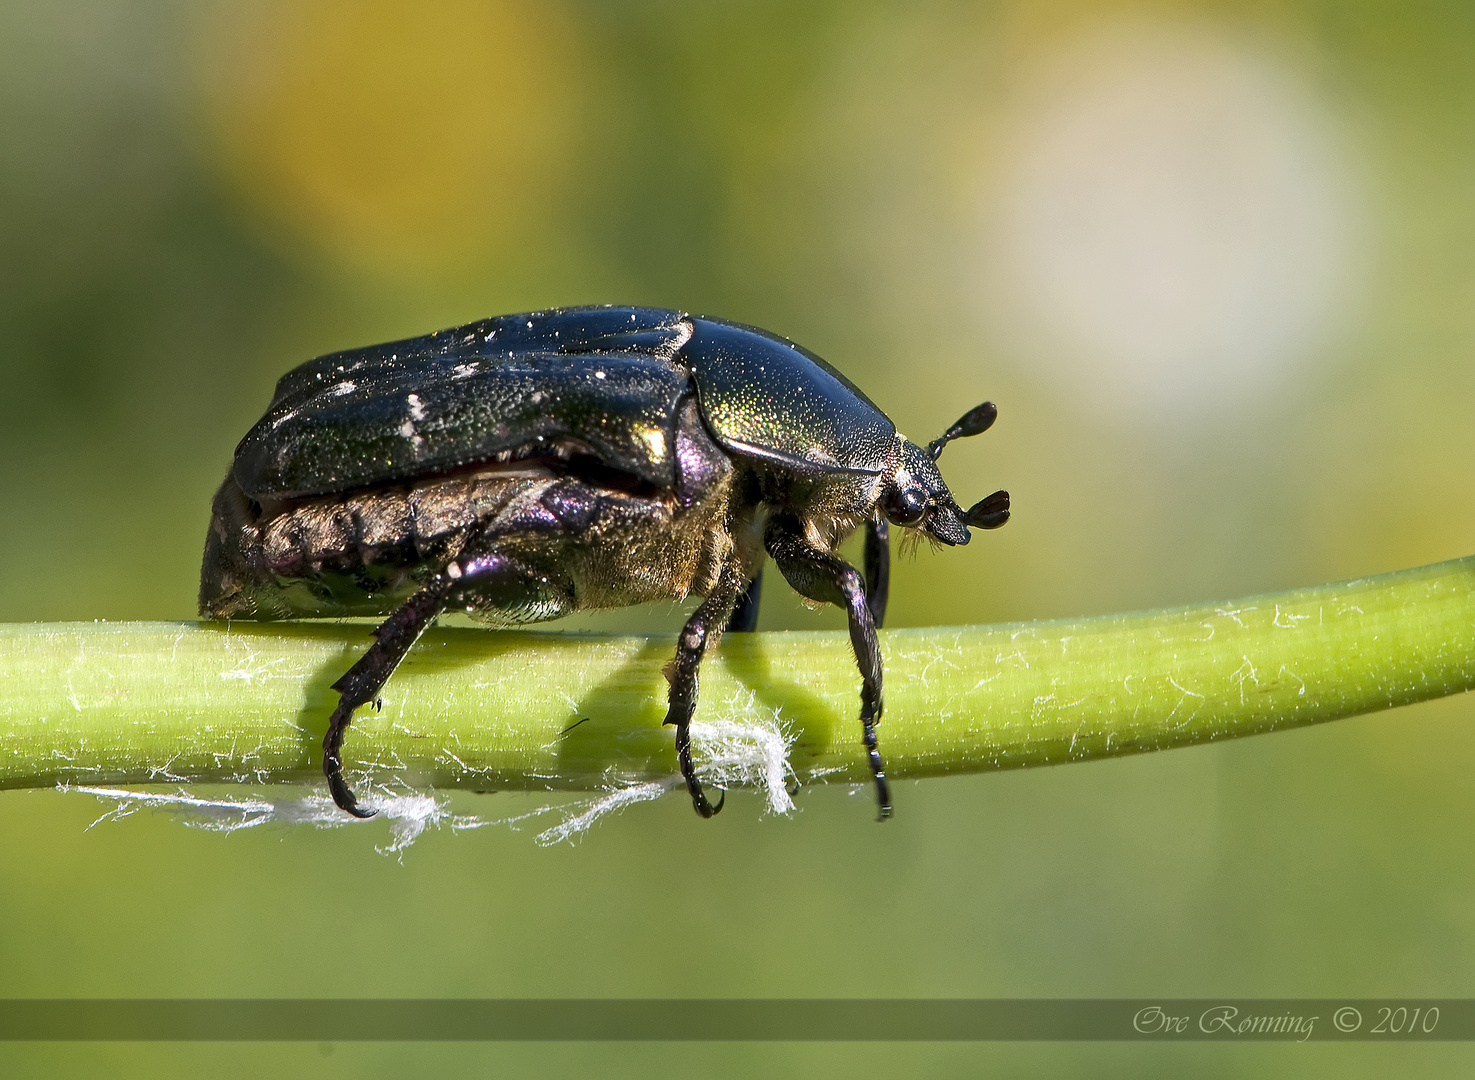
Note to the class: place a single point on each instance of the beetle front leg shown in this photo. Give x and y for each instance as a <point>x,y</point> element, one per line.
<point>829,579</point>
<point>878,568</point>
<point>683,671</point>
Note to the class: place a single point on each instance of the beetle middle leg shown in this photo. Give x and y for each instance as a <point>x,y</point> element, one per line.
<point>745,615</point>
<point>713,612</point>
<point>829,579</point>
<point>394,637</point>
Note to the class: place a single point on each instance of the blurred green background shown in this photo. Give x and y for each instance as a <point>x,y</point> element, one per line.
<point>1215,262</point>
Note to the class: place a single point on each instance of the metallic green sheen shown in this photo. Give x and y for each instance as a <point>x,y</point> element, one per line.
<point>766,397</point>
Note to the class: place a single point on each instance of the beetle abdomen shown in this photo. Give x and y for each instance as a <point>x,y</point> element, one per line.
<point>363,545</point>
<point>366,552</point>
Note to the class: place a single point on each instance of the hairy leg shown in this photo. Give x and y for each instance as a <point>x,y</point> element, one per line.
<point>392,640</point>
<point>745,615</point>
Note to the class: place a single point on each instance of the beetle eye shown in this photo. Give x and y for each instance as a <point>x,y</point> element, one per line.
<point>905,506</point>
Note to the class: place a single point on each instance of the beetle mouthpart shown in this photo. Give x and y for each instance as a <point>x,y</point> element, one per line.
<point>989,513</point>
<point>946,523</point>
<point>975,421</point>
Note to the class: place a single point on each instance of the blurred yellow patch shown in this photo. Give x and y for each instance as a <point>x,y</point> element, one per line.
<point>390,133</point>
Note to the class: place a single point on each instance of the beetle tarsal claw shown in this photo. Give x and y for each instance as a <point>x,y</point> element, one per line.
<point>705,808</point>
<point>343,796</point>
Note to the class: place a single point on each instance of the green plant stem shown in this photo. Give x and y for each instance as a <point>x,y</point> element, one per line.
<point>130,703</point>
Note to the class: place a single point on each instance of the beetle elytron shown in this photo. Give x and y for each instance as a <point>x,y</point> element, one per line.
<point>528,466</point>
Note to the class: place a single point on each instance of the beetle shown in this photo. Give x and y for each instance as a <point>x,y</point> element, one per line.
<point>527,466</point>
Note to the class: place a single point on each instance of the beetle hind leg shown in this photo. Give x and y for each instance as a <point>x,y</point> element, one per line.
<point>480,574</point>
<point>361,683</point>
<point>683,671</point>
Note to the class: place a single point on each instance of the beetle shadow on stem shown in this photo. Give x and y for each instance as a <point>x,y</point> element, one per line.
<point>616,731</point>
<point>810,718</point>
<point>613,731</point>
<point>341,644</point>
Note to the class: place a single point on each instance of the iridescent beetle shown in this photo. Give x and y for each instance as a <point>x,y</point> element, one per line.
<point>529,466</point>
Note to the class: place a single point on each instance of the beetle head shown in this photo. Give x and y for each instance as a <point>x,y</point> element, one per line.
<point>916,496</point>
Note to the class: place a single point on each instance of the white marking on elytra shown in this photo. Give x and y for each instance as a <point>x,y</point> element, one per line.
<point>345,387</point>
<point>417,410</point>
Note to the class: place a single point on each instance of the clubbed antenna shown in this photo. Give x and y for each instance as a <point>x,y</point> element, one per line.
<point>975,421</point>
<point>989,512</point>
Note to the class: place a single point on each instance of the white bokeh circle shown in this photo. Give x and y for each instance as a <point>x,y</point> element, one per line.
<point>1170,231</point>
